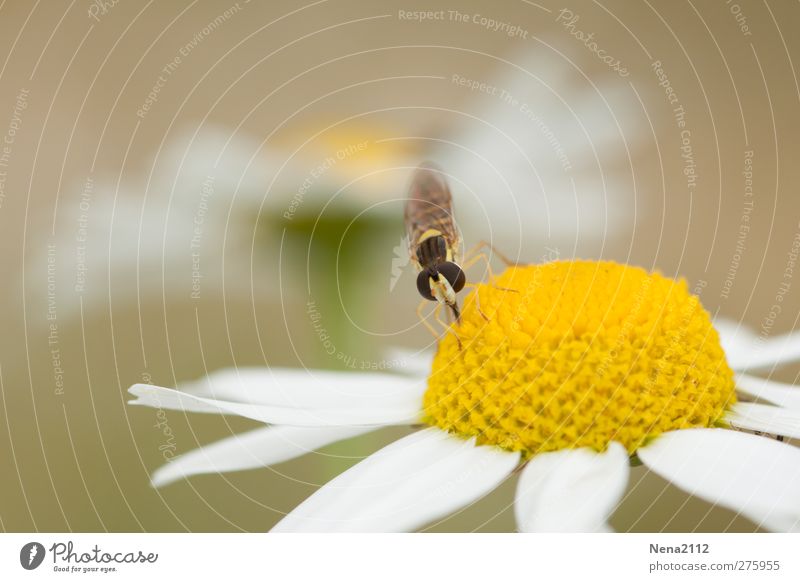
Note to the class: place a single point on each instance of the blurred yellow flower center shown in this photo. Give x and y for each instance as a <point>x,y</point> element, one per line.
<point>578,354</point>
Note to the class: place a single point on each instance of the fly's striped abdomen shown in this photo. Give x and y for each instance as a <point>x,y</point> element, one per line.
<point>433,239</point>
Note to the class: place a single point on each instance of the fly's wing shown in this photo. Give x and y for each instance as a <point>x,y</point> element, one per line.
<point>430,206</point>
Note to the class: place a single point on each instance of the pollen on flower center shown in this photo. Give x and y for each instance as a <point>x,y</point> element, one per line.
<point>578,353</point>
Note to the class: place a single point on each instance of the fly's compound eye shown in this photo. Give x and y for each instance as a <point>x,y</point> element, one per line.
<point>454,275</point>
<point>423,285</point>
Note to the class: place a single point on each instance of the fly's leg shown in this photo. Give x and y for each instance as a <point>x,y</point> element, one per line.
<point>477,300</point>
<point>424,320</point>
<point>484,257</point>
<point>485,243</point>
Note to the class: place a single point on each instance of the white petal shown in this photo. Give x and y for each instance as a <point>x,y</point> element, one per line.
<point>737,339</point>
<point>785,395</point>
<point>763,354</point>
<point>765,418</point>
<point>571,490</point>
<point>258,448</point>
<point>387,413</point>
<point>755,476</point>
<point>404,486</point>
<point>411,362</point>
<point>299,388</point>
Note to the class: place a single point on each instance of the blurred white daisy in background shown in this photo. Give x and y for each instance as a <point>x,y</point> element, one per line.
<point>586,367</point>
<point>546,152</point>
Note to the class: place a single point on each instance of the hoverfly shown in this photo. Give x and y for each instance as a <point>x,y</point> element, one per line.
<point>433,240</point>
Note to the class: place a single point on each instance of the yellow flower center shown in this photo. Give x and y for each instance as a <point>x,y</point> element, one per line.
<point>578,354</point>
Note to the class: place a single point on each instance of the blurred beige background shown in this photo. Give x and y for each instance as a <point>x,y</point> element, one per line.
<point>124,123</point>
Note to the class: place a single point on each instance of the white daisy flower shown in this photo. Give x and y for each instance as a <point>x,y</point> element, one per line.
<point>586,366</point>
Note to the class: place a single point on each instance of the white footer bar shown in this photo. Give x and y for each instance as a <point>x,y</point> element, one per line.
<point>406,557</point>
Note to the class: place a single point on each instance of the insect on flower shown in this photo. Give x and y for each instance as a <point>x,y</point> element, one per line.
<point>433,240</point>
